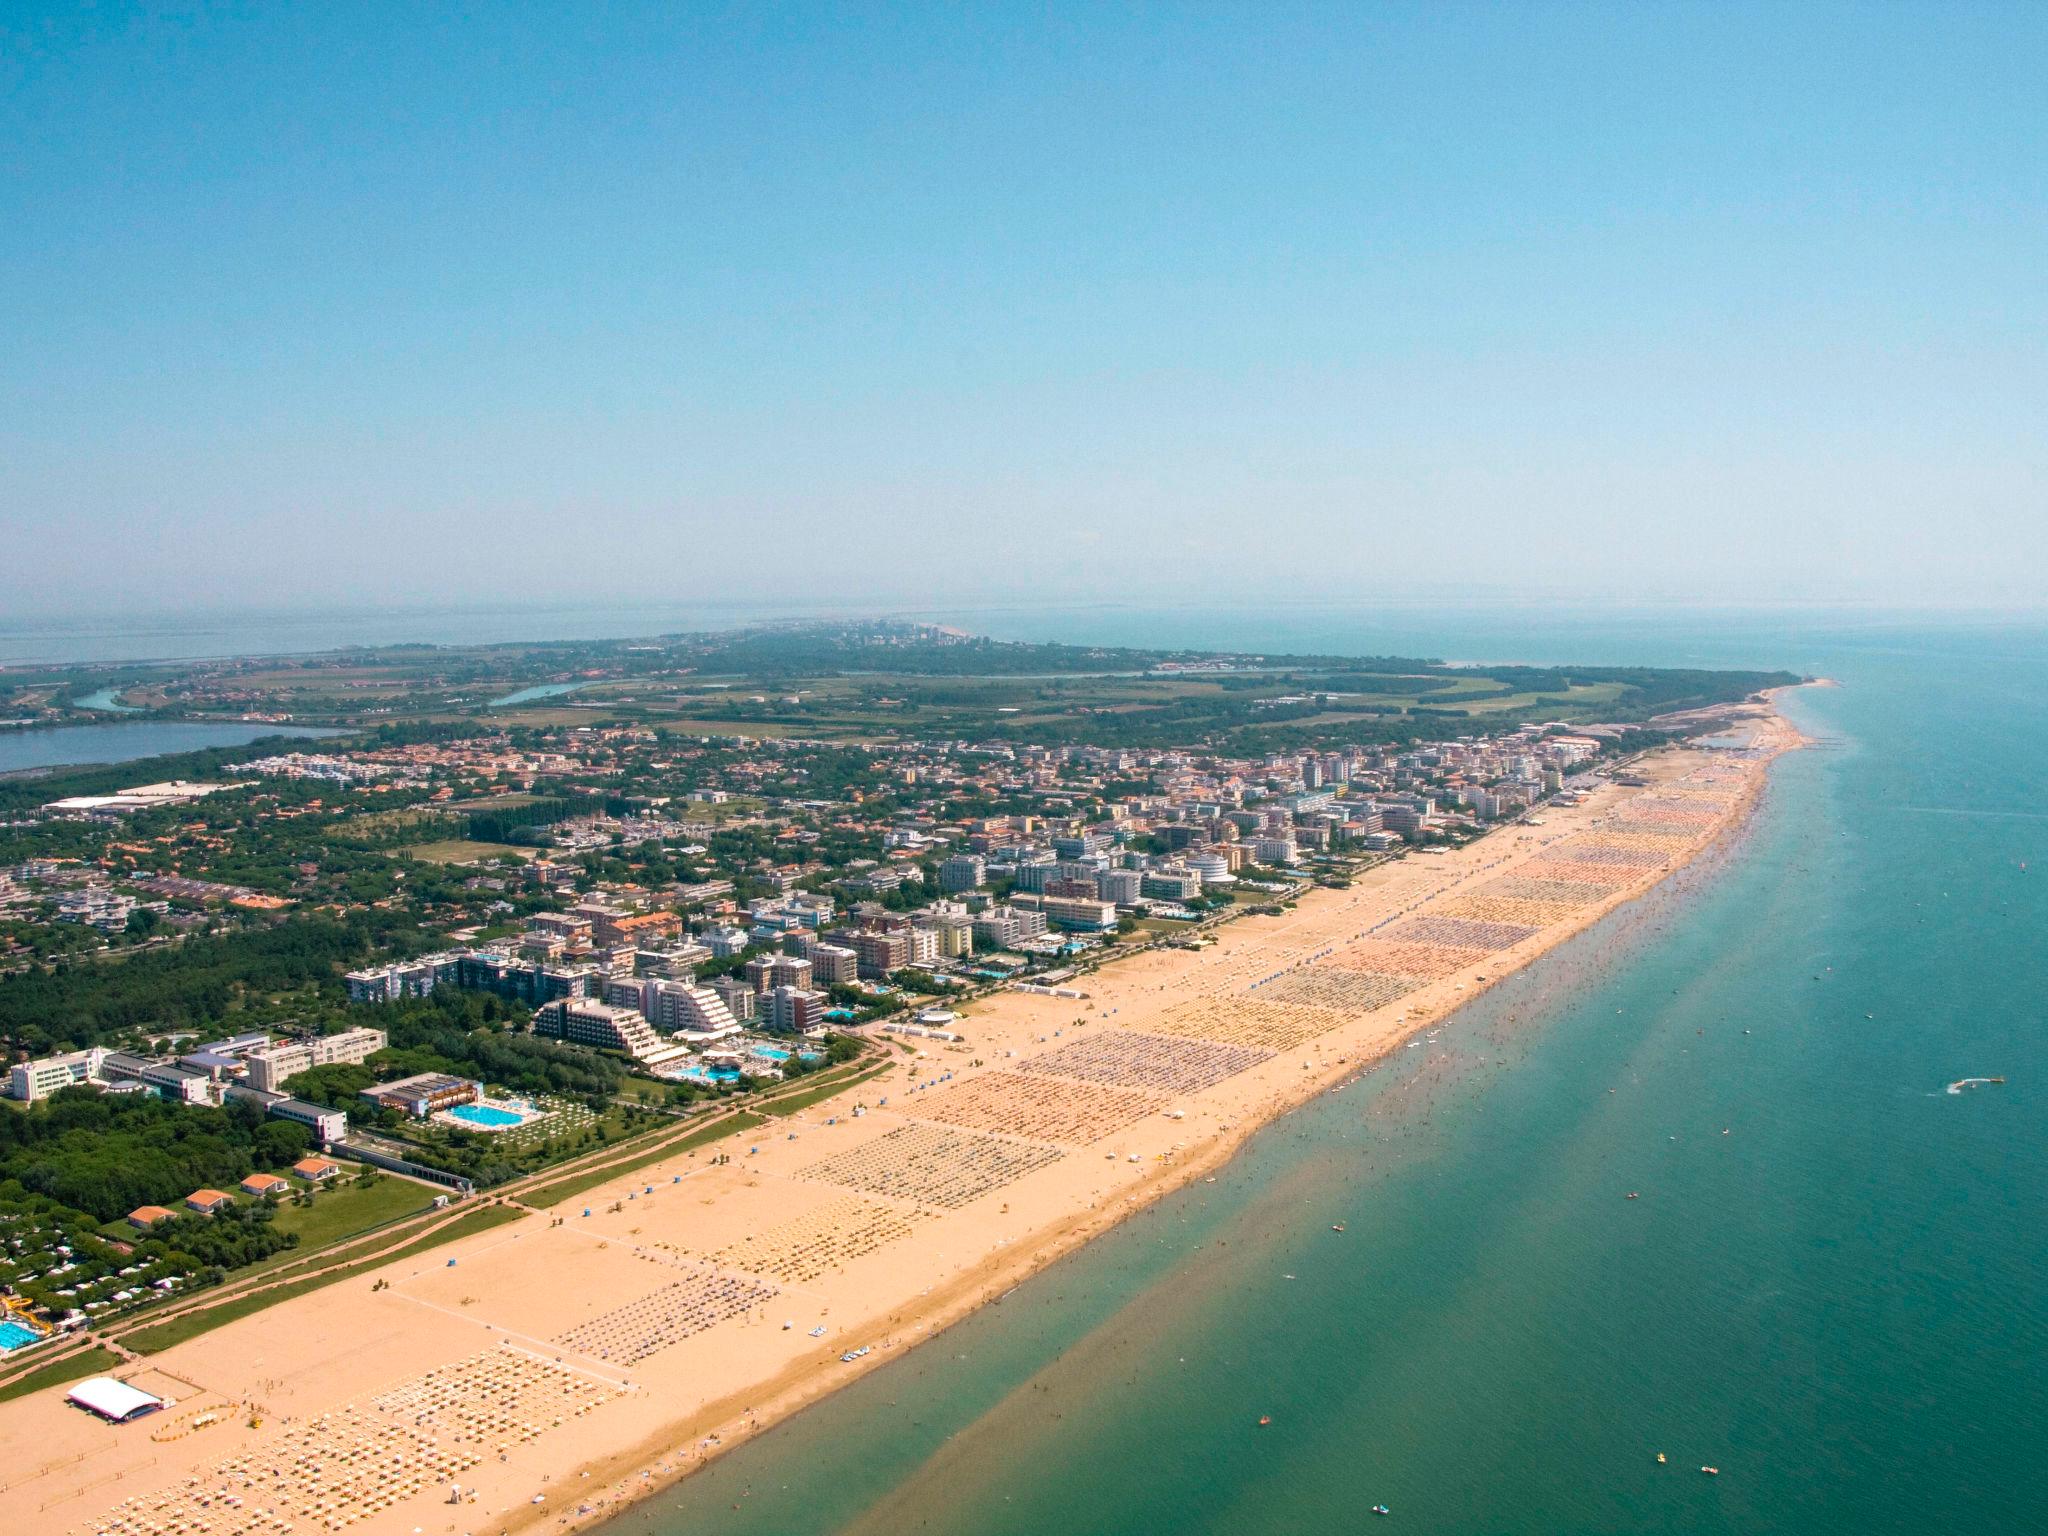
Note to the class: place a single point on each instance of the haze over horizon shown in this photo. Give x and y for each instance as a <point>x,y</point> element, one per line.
<point>924,309</point>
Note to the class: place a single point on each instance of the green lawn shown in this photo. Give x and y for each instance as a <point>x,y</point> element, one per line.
<point>347,1208</point>
<point>86,1363</point>
<point>644,1091</point>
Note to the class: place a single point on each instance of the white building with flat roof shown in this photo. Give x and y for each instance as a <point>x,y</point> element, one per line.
<point>271,1066</point>
<point>39,1079</point>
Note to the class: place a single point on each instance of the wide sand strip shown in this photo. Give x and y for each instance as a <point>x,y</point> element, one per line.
<point>560,1365</point>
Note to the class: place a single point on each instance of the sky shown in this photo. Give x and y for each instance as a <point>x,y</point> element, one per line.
<point>895,304</point>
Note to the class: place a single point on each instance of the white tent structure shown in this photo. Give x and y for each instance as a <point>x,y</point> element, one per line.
<point>114,1401</point>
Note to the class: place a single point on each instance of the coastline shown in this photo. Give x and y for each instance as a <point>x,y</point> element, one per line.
<point>686,1404</point>
<point>628,1471</point>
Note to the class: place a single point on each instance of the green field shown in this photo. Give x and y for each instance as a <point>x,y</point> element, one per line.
<point>493,803</point>
<point>456,850</point>
<point>344,1211</point>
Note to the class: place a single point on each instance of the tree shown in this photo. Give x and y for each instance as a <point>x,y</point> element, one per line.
<point>281,1142</point>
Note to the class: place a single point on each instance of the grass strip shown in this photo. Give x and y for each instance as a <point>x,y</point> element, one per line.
<point>802,1098</point>
<point>576,1184</point>
<point>86,1362</point>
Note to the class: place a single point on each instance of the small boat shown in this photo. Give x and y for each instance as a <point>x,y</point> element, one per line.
<point>1381,1509</point>
<point>1711,1471</point>
<point>1336,1226</point>
<point>1265,1419</point>
<point>1660,1458</point>
<point>1633,1195</point>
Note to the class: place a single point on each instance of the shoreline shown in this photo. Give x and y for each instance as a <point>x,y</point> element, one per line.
<point>691,1399</point>
<point>737,1428</point>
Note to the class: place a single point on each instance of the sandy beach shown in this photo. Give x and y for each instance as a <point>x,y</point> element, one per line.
<point>541,1374</point>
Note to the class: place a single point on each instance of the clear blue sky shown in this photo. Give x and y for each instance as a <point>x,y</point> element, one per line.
<point>351,302</point>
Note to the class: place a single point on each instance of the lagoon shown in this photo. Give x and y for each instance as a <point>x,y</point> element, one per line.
<point>537,691</point>
<point>104,699</point>
<point>67,746</point>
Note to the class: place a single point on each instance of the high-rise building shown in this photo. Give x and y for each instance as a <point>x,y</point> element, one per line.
<point>793,1010</point>
<point>833,963</point>
<point>1005,926</point>
<point>963,872</point>
<point>879,952</point>
<point>1086,914</point>
<point>1121,886</point>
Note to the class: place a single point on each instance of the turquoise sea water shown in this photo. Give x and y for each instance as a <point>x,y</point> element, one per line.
<point>1831,1287</point>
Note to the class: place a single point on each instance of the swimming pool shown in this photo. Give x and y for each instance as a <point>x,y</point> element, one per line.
<point>487,1116</point>
<point>15,1335</point>
<point>771,1052</point>
<point>710,1074</point>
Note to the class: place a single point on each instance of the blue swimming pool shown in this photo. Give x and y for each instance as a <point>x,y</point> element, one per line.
<point>771,1053</point>
<point>15,1335</point>
<point>710,1074</point>
<point>485,1115</point>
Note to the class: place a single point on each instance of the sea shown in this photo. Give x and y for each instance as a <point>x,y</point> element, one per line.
<point>1830,1286</point>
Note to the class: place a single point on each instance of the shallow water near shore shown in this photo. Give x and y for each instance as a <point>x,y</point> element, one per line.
<point>1829,1286</point>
